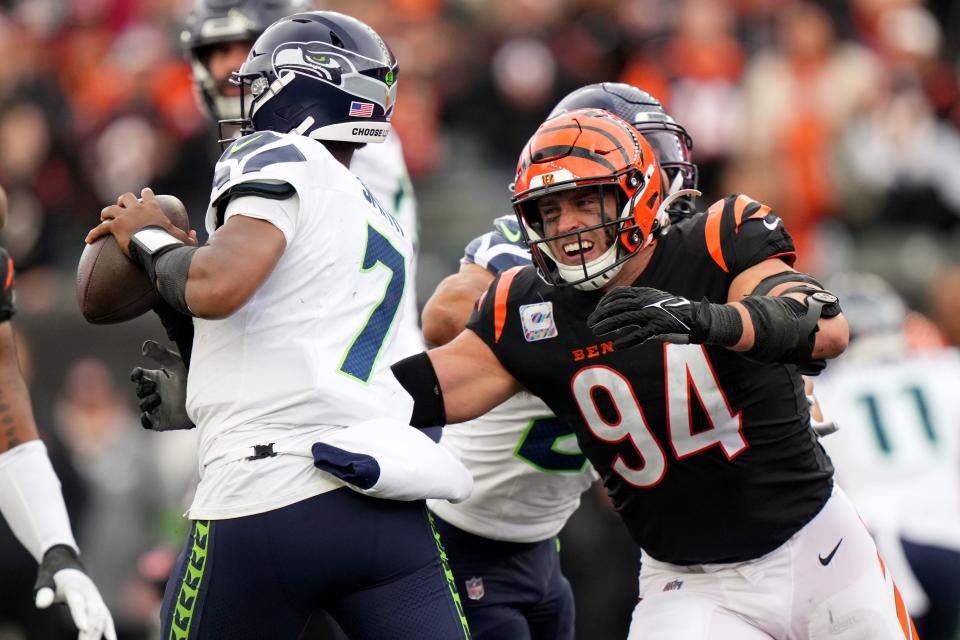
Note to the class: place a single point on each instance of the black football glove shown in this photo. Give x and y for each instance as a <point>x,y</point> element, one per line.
<point>61,578</point>
<point>162,392</point>
<point>637,314</point>
<point>6,286</point>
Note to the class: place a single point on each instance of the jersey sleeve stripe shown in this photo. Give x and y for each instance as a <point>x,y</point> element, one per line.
<point>500,301</point>
<point>787,256</point>
<point>712,231</point>
<point>740,205</point>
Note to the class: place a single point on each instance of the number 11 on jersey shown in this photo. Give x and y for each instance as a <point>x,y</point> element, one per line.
<point>362,354</point>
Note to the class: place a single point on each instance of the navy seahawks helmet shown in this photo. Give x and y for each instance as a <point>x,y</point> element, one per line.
<point>214,22</point>
<point>321,74</point>
<point>670,141</point>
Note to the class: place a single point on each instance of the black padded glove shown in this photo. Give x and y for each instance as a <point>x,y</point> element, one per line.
<point>162,392</point>
<point>637,314</point>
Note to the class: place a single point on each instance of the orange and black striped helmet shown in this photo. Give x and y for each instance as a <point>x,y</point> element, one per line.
<point>583,148</point>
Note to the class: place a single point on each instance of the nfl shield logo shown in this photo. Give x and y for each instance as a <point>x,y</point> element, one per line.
<point>474,588</point>
<point>537,321</point>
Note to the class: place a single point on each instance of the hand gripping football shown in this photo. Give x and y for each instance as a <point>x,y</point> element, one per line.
<point>113,288</point>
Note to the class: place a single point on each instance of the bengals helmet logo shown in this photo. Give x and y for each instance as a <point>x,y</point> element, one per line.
<point>549,179</point>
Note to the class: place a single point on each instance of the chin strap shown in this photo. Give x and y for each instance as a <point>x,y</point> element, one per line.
<point>662,216</point>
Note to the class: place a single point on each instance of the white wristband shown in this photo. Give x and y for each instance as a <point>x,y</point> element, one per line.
<point>152,239</point>
<point>30,499</point>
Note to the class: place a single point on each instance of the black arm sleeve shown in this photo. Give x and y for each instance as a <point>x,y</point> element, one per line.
<point>179,329</point>
<point>417,375</point>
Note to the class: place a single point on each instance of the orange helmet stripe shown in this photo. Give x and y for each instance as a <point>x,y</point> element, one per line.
<point>575,140</point>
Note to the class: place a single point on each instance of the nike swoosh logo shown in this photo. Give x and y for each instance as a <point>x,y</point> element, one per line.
<point>241,145</point>
<point>665,305</point>
<point>826,561</point>
<point>771,225</point>
<point>509,234</point>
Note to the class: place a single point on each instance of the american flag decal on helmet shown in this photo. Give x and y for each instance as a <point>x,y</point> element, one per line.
<point>361,109</point>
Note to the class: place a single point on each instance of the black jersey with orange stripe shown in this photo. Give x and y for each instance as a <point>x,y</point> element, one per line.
<point>708,457</point>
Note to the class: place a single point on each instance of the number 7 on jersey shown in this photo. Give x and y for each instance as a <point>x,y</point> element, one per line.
<point>361,355</point>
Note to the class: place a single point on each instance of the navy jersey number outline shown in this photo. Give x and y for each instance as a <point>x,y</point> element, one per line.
<point>538,447</point>
<point>361,356</point>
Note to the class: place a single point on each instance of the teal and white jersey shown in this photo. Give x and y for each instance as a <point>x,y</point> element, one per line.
<point>311,349</point>
<point>897,453</point>
<point>528,472</point>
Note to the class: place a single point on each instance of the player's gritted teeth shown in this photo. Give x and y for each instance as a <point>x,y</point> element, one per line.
<point>574,249</point>
<point>579,248</point>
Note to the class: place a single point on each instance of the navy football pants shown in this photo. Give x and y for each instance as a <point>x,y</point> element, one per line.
<point>510,590</point>
<point>375,565</point>
<point>938,571</point>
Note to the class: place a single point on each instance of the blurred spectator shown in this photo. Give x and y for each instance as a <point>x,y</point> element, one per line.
<point>900,155</point>
<point>798,97</point>
<point>695,74</point>
<point>113,456</point>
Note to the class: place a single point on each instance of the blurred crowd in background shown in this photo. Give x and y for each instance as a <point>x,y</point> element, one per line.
<point>843,116</point>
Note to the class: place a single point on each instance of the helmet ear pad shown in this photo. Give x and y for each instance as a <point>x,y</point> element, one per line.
<point>288,109</point>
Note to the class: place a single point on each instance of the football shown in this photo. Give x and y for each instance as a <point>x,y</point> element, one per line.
<point>110,286</point>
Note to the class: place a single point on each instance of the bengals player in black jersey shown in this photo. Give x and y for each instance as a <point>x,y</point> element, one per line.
<point>677,353</point>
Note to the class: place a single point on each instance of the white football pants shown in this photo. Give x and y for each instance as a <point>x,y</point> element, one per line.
<point>827,582</point>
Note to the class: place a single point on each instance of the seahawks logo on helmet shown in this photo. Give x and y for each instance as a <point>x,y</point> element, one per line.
<point>313,59</point>
<point>335,66</point>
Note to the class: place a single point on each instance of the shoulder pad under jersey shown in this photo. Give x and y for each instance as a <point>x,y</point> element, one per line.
<point>279,163</point>
<point>500,249</point>
<point>264,155</point>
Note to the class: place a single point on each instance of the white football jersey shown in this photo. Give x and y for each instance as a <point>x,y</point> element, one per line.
<point>311,349</point>
<point>528,472</point>
<point>897,453</point>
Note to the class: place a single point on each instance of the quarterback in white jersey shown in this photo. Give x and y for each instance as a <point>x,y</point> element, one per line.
<point>333,297</point>
<point>216,40</point>
<point>297,302</point>
<point>897,453</point>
